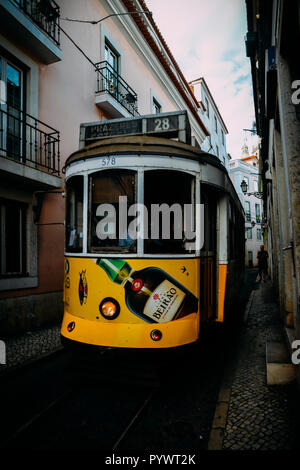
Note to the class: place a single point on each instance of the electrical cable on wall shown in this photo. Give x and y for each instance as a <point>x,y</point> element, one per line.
<point>108,16</point>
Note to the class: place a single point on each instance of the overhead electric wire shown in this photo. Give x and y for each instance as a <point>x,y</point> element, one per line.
<point>108,16</point>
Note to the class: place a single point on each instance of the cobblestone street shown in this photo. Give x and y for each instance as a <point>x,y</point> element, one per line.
<point>30,346</point>
<point>260,416</point>
<point>257,416</point>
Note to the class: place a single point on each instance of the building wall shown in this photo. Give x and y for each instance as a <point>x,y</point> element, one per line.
<point>215,143</point>
<point>275,70</point>
<point>240,170</point>
<point>62,94</point>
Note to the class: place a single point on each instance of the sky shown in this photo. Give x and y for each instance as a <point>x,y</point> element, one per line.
<point>206,38</point>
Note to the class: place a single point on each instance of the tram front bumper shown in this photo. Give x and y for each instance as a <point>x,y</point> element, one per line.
<point>131,335</point>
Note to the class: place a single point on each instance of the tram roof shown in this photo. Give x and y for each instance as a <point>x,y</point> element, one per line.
<point>147,145</point>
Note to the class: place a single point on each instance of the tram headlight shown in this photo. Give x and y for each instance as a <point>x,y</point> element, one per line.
<point>109,308</point>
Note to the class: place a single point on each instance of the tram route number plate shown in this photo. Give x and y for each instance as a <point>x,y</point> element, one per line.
<point>162,124</point>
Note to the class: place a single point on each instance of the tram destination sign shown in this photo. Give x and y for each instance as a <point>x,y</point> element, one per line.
<point>175,124</point>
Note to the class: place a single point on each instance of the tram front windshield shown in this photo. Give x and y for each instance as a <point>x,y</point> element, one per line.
<point>113,212</point>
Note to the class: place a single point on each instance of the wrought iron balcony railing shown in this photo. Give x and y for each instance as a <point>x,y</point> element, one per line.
<point>45,13</point>
<point>109,81</point>
<point>26,139</point>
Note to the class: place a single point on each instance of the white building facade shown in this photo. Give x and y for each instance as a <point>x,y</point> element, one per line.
<point>247,169</point>
<point>210,115</point>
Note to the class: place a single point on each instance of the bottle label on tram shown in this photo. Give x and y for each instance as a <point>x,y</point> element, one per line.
<point>164,303</point>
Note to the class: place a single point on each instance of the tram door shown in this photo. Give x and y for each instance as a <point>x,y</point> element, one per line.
<point>208,255</point>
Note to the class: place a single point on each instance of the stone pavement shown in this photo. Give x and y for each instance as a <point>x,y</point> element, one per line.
<point>30,346</point>
<point>252,415</point>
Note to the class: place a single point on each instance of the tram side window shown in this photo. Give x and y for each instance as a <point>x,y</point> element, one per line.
<point>165,194</point>
<point>236,233</point>
<point>209,200</point>
<point>111,193</point>
<point>74,216</point>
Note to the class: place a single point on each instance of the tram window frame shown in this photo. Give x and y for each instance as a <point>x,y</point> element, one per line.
<point>74,229</point>
<point>209,198</point>
<point>170,246</point>
<point>235,228</point>
<point>112,245</point>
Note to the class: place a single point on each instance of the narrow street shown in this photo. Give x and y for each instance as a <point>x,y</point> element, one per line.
<point>171,406</point>
<point>150,229</point>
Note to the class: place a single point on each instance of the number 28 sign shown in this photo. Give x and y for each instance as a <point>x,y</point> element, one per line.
<point>162,124</point>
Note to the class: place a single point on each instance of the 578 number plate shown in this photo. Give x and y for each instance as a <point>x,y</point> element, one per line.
<point>108,161</point>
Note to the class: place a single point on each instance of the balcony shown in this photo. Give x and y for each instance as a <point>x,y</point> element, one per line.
<point>113,95</point>
<point>35,25</point>
<point>29,149</point>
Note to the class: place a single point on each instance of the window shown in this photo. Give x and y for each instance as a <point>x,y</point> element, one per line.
<point>166,223</point>
<point>258,234</point>
<point>223,138</point>
<point>111,57</point>
<point>108,230</point>
<point>249,233</point>
<point>248,211</point>
<point>255,185</point>
<point>156,107</point>
<point>245,178</point>
<point>207,106</point>
<point>13,238</point>
<point>74,221</point>
<point>236,227</point>
<point>257,213</point>
<point>12,80</point>
<point>111,71</point>
<point>216,125</point>
<point>217,151</point>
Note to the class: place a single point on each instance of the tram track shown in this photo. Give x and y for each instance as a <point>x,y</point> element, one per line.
<point>26,426</point>
<point>44,414</point>
<point>83,406</point>
<point>133,421</point>
<point>127,403</point>
<point>104,410</point>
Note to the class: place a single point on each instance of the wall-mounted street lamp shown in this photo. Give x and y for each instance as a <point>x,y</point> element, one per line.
<point>244,188</point>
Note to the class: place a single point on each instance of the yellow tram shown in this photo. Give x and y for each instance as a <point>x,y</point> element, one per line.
<point>154,236</point>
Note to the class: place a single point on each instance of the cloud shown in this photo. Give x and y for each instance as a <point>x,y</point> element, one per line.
<point>206,38</point>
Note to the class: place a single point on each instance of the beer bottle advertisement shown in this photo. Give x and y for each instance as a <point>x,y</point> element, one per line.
<point>147,290</point>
